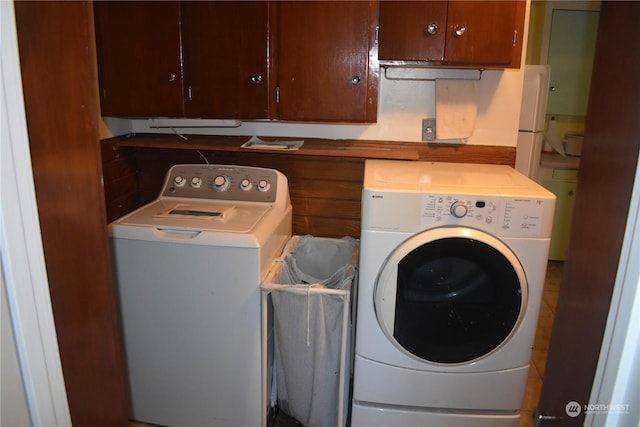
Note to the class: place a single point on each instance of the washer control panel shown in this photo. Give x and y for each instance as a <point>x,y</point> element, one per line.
<point>221,182</point>
<point>509,216</point>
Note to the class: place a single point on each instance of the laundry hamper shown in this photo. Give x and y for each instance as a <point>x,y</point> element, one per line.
<point>307,298</point>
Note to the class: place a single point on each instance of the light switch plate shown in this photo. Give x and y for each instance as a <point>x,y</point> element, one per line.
<point>428,130</point>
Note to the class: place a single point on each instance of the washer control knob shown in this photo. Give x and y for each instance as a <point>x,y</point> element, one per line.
<point>458,209</point>
<point>196,182</point>
<point>245,184</point>
<point>220,183</point>
<point>264,185</point>
<point>179,181</point>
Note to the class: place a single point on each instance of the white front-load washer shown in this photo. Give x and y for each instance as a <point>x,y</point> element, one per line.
<point>452,266</point>
<point>188,268</point>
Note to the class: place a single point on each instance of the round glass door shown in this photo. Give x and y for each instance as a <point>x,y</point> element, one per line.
<point>450,295</point>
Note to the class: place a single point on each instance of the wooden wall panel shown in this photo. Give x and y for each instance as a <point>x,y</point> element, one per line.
<point>325,190</point>
<point>120,182</point>
<point>57,59</point>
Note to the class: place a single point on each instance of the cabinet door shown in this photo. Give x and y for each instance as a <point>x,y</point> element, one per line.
<point>412,30</point>
<point>139,64</point>
<point>323,53</point>
<point>482,32</point>
<point>225,52</point>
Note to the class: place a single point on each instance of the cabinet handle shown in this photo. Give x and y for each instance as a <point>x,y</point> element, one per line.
<point>355,80</point>
<point>432,28</point>
<point>171,77</point>
<point>256,78</point>
<point>460,30</point>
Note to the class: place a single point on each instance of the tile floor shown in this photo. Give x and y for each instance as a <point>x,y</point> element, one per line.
<point>540,346</point>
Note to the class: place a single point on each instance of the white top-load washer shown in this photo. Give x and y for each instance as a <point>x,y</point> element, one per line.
<point>452,265</point>
<point>188,268</point>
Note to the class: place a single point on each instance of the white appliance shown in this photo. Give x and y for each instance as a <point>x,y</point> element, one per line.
<point>189,267</point>
<point>535,92</point>
<point>452,266</point>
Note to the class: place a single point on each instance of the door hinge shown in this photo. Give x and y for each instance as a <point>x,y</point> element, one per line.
<point>376,36</point>
<point>278,94</point>
<point>515,37</point>
<point>189,93</point>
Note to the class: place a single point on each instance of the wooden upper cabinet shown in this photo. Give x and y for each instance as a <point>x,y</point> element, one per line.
<point>305,61</point>
<point>483,32</point>
<point>323,61</point>
<point>412,30</point>
<point>225,47</point>
<point>139,63</point>
<point>453,33</point>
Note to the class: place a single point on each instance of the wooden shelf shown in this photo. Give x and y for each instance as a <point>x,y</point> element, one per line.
<point>361,149</point>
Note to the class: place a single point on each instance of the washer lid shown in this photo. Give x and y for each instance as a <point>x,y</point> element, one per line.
<point>233,217</point>
<point>439,177</point>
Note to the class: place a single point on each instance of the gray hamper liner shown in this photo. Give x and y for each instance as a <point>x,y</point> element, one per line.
<point>310,289</point>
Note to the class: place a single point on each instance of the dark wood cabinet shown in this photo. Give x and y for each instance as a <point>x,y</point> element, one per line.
<point>303,61</point>
<point>412,30</point>
<point>225,47</point>
<point>452,33</point>
<point>183,59</point>
<point>323,61</point>
<point>139,60</point>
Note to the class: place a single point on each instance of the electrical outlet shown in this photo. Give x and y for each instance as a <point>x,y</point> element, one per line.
<point>428,130</point>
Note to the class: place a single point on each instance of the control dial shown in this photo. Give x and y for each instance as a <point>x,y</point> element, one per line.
<point>196,182</point>
<point>245,184</point>
<point>264,185</point>
<point>179,181</point>
<point>220,183</point>
<point>459,209</point>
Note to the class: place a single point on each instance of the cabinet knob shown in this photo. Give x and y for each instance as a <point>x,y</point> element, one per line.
<point>171,77</point>
<point>355,80</point>
<point>256,78</point>
<point>459,30</point>
<point>432,28</point>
